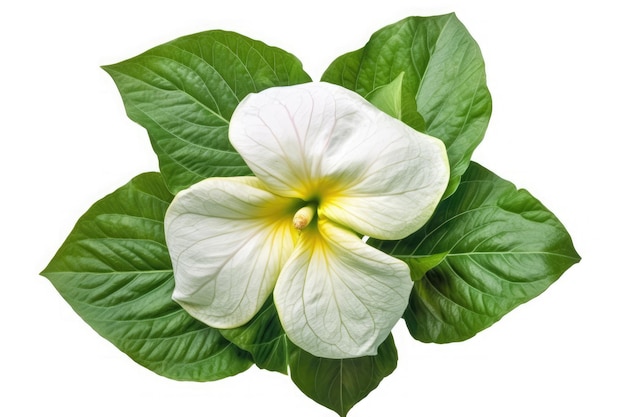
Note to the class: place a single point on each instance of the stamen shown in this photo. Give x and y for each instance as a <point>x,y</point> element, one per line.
<point>304,215</point>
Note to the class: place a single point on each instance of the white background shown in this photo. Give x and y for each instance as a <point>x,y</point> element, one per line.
<point>556,73</point>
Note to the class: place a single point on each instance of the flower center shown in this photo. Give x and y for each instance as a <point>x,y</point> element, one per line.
<point>304,216</point>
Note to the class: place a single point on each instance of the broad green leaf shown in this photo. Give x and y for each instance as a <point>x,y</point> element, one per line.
<point>114,270</point>
<point>339,384</point>
<point>502,248</point>
<point>185,91</point>
<point>264,338</point>
<point>443,71</point>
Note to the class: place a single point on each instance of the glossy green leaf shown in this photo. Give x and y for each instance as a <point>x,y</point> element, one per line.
<point>501,248</point>
<point>114,270</point>
<point>264,338</point>
<point>185,91</point>
<point>444,73</point>
<point>339,384</point>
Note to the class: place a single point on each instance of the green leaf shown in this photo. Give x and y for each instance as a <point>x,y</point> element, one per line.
<point>420,264</point>
<point>335,383</point>
<point>264,338</point>
<point>444,73</point>
<point>185,91</point>
<point>114,270</point>
<point>339,384</point>
<point>502,248</point>
<point>396,101</point>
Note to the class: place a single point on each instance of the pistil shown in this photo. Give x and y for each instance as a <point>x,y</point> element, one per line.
<point>304,216</point>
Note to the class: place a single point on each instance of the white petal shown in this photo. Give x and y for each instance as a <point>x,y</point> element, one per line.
<point>392,178</point>
<point>228,239</point>
<point>322,142</point>
<point>337,297</point>
<point>282,133</point>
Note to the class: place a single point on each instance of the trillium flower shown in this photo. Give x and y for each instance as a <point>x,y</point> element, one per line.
<point>330,168</point>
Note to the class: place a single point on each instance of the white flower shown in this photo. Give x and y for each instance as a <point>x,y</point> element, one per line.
<point>329,168</point>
